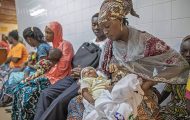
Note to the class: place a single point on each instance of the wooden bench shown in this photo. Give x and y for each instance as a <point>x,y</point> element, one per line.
<point>3,55</point>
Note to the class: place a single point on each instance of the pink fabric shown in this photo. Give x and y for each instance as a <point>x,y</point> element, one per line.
<point>63,67</point>
<point>187,94</point>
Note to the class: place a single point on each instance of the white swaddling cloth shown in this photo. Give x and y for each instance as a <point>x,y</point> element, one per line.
<point>121,103</point>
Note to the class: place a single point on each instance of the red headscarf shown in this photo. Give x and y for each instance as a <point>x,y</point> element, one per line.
<point>63,67</point>
<point>58,35</point>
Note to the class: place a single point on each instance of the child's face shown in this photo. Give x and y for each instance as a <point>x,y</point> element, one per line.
<point>54,55</point>
<point>53,60</point>
<point>50,56</point>
<point>89,72</point>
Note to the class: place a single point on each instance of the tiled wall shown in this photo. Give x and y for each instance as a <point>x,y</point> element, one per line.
<point>74,15</point>
<point>166,19</point>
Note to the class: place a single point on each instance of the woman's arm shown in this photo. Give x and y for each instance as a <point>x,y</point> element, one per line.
<point>75,73</point>
<point>146,86</point>
<point>87,96</point>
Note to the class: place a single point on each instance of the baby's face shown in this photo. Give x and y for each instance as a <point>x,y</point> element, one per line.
<point>89,72</point>
<point>51,54</point>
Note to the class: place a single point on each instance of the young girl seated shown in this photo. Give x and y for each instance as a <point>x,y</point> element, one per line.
<point>25,71</point>
<point>38,69</point>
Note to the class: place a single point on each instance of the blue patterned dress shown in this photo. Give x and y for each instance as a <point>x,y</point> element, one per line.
<point>26,94</point>
<point>16,77</point>
<point>26,97</point>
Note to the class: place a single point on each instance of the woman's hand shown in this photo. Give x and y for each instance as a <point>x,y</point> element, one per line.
<point>147,85</point>
<point>88,96</point>
<point>75,73</point>
<point>109,88</point>
<point>113,68</point>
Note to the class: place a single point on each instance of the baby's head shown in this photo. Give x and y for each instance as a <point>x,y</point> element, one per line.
<point>88,72</point>
<point>55,55</point>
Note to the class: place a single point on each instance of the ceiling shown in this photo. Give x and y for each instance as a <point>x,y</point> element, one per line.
<point>8,11</point>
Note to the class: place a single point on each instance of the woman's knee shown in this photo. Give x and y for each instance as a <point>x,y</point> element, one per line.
<point>45,93</point>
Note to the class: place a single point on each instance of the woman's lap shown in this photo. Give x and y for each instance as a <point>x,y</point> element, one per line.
<point>75,109</point>
<point>26,97</point>
<point>148,109</point>
<point>174,111</point>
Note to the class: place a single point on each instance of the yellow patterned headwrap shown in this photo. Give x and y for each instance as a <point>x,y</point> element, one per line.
<point>115,9</point>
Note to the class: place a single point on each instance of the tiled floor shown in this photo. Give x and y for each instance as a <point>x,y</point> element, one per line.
<point>4,115</point>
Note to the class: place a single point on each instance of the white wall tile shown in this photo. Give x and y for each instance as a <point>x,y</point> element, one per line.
<point>180,27</point>
<point>160,1</point>
<point>145,14</point>
<point>180,9</point>
<point>132,20</point>
<point>162,11</point>
<point>145,27</point>
<point>162,29</point>
<point>143,3</point>
<point>174,43</point>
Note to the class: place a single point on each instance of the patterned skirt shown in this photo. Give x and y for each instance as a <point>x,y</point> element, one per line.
<point>75,109</point>
<point>148,109</point>
<point>175,110</point>
<point>9,85</point>
<point>26,97</point>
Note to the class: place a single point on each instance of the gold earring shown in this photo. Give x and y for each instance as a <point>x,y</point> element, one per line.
<point>121,26</point>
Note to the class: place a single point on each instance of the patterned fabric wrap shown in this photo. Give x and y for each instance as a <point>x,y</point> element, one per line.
<point>187,93</point>
<point>42,67</point>
<point>176,108</point>
<point>150,58</point>
<point>115,9</point>
<point>107,55</point>
<point>76,108</point>
<point>148,109</point>
<point>26,97</point>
